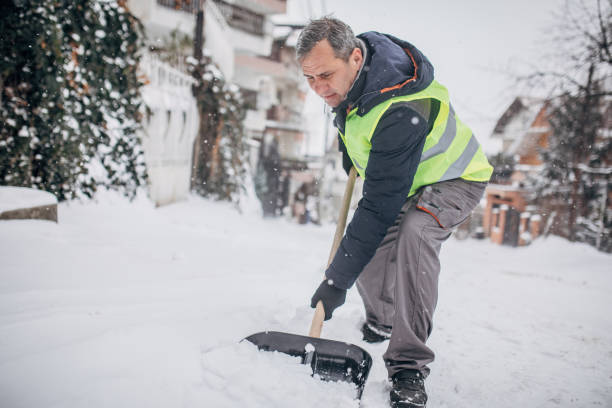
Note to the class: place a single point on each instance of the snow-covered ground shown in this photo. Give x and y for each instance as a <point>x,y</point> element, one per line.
<point>124,305</point>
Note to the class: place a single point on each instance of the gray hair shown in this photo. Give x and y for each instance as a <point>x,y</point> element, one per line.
<point>339,35</point>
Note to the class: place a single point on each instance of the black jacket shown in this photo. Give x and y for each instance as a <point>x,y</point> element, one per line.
<point>397,144</point>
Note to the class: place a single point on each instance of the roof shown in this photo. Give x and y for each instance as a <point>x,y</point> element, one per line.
<point>517,122</point>
<point>523,109</point>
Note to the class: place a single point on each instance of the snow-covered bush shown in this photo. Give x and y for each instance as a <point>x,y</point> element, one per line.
<point>221,147</point>
<point>70,97</point>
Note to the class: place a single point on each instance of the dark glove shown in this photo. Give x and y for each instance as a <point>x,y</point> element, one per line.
<point>331,296</point>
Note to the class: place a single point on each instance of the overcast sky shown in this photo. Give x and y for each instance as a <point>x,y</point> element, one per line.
<point>474,45</point>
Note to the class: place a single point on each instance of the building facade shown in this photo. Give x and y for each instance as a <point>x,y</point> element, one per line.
<point>510,216</point>
<point>515,214</point>
<point>250,52</point>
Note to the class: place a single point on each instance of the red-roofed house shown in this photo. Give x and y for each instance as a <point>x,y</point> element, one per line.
<point>509,217</point>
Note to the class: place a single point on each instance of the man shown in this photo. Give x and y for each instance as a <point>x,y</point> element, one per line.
<point>423,173</point>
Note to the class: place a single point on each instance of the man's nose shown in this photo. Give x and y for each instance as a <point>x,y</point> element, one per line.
<point>319,87</point>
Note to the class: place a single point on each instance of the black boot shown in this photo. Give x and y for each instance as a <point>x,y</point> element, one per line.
<point>408,390</point>
<point>374,333</point>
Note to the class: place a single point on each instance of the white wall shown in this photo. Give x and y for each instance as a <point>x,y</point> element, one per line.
<point>252,43</point>
<point>216,33</point>
<point>169,132</point>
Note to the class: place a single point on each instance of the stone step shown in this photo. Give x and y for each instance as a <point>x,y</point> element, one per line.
<point>22,203</point>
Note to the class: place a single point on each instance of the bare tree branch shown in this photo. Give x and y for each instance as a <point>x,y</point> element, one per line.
<point>605,30</point>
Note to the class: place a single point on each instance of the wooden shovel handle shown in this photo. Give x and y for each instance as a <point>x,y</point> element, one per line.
<point>319,315</point>
<point>317,321</point>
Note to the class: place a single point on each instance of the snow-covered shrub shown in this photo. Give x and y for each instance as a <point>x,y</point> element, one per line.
<point>221,147</point>
<point>70,97</point>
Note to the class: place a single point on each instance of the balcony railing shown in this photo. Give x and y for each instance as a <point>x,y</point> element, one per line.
<point>241,18</point>
<point>284,117</point>
<point>189,6</point>
<point>236,16</point>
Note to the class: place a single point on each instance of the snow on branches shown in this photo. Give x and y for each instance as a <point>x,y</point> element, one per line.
<point>70,97</point>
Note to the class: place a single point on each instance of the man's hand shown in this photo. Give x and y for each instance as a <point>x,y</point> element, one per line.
<point>331,296</point>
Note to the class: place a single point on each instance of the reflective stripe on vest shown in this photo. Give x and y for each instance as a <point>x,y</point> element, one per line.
<point>450,151</point>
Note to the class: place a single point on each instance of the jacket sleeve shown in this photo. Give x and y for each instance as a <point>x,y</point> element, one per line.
<point>397,144</point>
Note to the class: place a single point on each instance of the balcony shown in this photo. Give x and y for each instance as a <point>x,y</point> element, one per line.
<point>284,115</point>
<point>266,6</point>
<point>241,18</point>
<point>188,6</point>
<point>237,17</point>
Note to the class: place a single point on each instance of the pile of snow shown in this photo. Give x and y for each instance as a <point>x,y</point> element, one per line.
<point>17,198</point>
<point>126,305</point>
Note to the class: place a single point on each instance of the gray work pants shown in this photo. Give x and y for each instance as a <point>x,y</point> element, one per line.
<point>399,286</point>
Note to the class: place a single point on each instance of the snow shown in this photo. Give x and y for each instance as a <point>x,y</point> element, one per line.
<point>23,132</point>
<point>281,31</point>
<point>128,305</point>
<point>16,198</point>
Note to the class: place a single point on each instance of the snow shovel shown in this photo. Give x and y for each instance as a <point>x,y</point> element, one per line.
<point>330,360</point>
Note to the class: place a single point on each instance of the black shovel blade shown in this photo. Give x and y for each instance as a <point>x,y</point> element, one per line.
<point>329,359</point>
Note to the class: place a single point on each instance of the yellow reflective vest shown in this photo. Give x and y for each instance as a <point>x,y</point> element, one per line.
<point>451,150</point>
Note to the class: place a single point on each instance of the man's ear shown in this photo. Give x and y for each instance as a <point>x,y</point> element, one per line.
<point>356,56</point>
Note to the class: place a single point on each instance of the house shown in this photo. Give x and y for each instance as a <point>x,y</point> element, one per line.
<point>510,217</point>
<point>514,215</point>
<point>275,126</point>
<point>251,52</point>
<point>171,122</point>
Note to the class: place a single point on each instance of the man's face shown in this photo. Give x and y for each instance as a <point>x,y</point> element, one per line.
<point>330,77</point>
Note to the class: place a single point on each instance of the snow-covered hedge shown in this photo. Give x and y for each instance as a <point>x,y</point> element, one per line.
<point>70,97</point>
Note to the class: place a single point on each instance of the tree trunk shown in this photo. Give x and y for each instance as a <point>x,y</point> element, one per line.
<point>574,204</point>
<point>215,161</point>
<point>198,38</point>
<point>581,152</point>
<point>197,53</point>
<point>604,205</point>
<point>204,147</point>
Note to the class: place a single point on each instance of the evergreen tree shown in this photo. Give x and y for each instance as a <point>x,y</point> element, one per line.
<point>70,101</point>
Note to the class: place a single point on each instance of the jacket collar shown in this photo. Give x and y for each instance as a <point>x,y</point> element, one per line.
<point>391,67</point>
